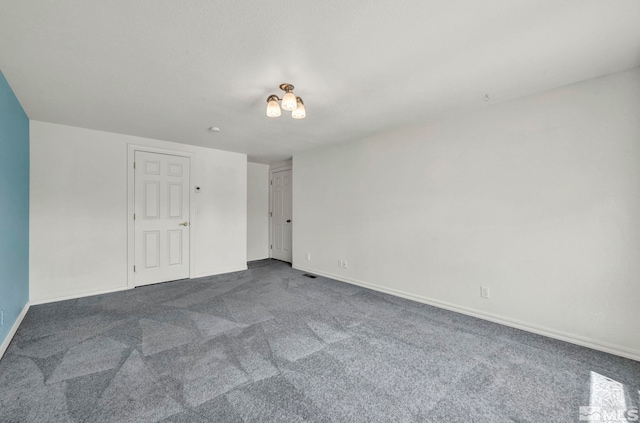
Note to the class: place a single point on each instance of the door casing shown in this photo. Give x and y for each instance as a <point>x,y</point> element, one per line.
<point>279,168</point>
<point>131,150</point>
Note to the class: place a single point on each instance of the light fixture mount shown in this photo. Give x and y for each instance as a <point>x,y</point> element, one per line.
<point>289,102</point>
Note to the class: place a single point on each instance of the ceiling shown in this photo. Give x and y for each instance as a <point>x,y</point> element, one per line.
<point>170,69</point>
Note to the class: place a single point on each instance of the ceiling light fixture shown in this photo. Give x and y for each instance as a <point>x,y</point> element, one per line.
<point>289,102</point>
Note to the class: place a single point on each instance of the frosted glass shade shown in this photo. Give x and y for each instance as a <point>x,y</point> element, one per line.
<point>299,112</point>
<point>273,109</point>
<point>289,102</point>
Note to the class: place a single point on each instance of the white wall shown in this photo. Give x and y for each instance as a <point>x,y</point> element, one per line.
<point>538,199</point>
<point>78,213</point>
<point>257,211</point>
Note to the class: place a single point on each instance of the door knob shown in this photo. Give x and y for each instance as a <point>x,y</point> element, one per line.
<point>289,221</point>
<point>184,224</point>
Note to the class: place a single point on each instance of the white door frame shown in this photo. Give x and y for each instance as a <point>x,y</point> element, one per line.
<point>131,201</point>
<point>279,167</point>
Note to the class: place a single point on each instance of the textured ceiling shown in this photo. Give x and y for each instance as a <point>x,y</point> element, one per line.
<point>170,69</point>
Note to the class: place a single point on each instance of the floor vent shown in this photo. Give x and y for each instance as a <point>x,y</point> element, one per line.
<point>306,275</point>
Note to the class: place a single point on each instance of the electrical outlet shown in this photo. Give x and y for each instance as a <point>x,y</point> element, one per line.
<point>339,263</point>
<point>307,256</point>
<point>1,317</point>
<point>344,264</point>
<point>484,291</point>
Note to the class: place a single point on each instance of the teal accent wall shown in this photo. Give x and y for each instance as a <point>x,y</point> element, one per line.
<point>14,207</point>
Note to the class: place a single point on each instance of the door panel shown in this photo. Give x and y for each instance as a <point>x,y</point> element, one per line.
<point>151,167</point>
<point>175,169</point>
<point>151,249</point>
<point>175,247</point>
<point>281,215</point>
<point>175,200</point>
<point>162,198</point>
<point>151,200</point>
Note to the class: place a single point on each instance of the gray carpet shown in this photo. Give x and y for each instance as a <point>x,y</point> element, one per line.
<point>269,345</point>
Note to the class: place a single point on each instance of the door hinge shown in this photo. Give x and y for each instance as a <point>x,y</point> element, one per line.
<point>272,182</point>
<point>134,269</point>
<point>271,214</point>
<point>134,216</point>
<point>134,165</point>
<point>272,246</point>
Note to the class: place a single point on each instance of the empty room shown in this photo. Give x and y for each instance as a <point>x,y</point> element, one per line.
<point>329,211</point>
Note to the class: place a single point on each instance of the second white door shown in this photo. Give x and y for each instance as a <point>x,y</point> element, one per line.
<point>281,215</point>
<point>161,218</point>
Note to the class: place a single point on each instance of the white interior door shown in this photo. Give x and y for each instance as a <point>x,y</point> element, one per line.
<point>161,233</point>
<point>281,215</point>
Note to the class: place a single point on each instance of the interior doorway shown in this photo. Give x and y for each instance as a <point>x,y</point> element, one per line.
<point>160,216</point>
<point>280,214</point>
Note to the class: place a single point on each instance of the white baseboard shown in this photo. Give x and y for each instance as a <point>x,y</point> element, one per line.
<point>222,272</point>
<point>257,259</point>
<point>14,328</point>
<point>551,333</point>
<point>76,296</point>
<point>123,288</point>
